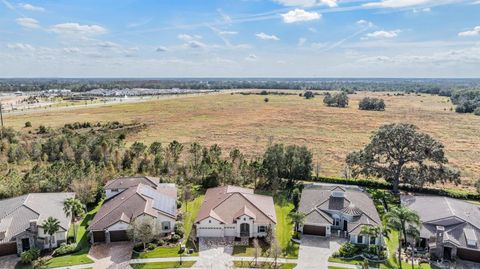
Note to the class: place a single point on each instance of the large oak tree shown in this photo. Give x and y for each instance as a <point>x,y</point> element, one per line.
<point>399,153</point>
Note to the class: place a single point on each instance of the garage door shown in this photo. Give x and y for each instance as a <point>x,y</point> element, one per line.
<point>116,236</point>
<point>468,254</point>
<point>98,236</point>
<point>8,248</point>
<point>209,232</point>
<point>314,230</point>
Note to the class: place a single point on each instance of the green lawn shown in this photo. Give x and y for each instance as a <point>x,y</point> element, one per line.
<point>283,232</point>
<point>160,265</point>
<point>249,264</point>
<point>79,257</point>
<point>190,211</point>
<point>336,267</point>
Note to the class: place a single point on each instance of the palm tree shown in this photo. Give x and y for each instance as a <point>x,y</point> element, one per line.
<point>398,219</point>
<point>74,208</point>
<point>298,218</point>
<point>50,227</point>
<point>414,234</point>
<point>372,231</point>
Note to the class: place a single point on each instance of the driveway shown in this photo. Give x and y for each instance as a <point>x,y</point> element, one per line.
<point>214,254</point>
<point>315,250</point>
<point>113,256</point>
<point>8,262</point>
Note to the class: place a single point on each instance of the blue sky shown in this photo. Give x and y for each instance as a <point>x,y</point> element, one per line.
<point>240,38</point>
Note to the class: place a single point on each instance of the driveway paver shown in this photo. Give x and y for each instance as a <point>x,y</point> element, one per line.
<point>113,256</point>
<point>315,250</point>
<point>8,262</point>
<point>214,254</point>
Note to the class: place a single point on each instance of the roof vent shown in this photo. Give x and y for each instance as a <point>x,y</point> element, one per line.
<point>338,194</point>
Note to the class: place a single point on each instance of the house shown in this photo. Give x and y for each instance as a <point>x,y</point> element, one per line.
<point>21,220</point>
<point>339,211</point>
<point>231,211</point>
<point>129,198</point>
<point>450,227</point>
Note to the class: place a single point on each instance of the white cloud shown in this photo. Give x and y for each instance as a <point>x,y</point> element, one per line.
<point>108,44</point>
<point>251,57</point>
<point>227,33</point>
<point>312,29</point>
<point>20,46</point>
<point>384,34</point>
<point>75,28</point>
<point>365,23</point>
<point>264,36</point>
<point>307,3</point>
<point>28,23</point>
<point>421,10</point>
<point>301,41</point>
<point>299,15</point>
<point>400,3</point>
<point>474,32</point>
<point>30,7</point>
<point>185,37</point>
<point>71,50</point>
<point>161,49</point>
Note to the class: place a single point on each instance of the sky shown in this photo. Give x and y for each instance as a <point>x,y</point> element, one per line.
<point>240,38</point>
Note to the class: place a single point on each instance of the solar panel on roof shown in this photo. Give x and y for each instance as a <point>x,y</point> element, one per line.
<point>161,201</point>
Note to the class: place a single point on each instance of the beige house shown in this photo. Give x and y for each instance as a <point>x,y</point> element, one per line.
<point>231,211</point>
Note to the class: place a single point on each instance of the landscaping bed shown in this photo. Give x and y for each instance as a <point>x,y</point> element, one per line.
<point>249,264</point>
<point>161,265</point>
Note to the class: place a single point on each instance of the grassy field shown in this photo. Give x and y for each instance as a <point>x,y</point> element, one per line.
<point>247,122</point>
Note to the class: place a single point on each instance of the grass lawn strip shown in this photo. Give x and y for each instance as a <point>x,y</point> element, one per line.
<point>80,256</point>
<point>160,265</point>
<point>190,210</point>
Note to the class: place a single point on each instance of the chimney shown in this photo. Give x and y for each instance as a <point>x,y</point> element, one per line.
<point>439,241</point>
<point>439,234</point>
<point>33,226</point>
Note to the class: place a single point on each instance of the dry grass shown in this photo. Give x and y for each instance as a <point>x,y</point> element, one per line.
<point>247,122</point>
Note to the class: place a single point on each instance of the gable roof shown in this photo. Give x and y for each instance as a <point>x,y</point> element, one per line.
<point>357,203</point>
<point>127,182</point>
<point>460,219</point>
<point>135,201</point>
<point>16,213</point>
<point>229,202</point>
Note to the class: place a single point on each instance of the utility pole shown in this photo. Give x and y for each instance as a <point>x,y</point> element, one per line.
<point>1,120</point>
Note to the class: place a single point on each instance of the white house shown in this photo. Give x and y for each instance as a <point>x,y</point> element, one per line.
<point>231,211</point>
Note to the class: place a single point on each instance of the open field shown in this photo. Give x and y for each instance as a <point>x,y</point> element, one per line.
<point>247,122</point>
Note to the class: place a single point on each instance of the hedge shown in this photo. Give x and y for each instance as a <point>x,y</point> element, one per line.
<point>385,185</point>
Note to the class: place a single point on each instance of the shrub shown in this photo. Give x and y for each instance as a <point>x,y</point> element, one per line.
<point>266,100</point>
<point>477,111</point>
<point>30,255</point>
<point>151,246</point>
<point>349,250</point>
<point>264,93</point>
<point>308,94</point>
<point>179,228</point>
<point>477,186</point>
<point>179,203</point>
<point>175,238</point>
<point>375,104</point>
<point>28,124</point>
<point>64,249</point>
<point>336,100</point>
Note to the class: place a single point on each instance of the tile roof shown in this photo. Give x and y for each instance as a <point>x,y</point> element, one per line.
<point>356,203</point>
<point>225,203</point>
<point>16,213</point>
<point>460,219</point>
<point>135,201</point>
<point>127,182</point>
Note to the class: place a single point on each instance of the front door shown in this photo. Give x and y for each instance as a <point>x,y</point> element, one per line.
<point>345,225</point>
<point>244,229</point>
<point>25,244</point>
<point>447,253</point>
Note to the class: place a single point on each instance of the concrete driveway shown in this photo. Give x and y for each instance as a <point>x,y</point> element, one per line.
<point>214,254</point>
<point>8,262</point>
<point>113,256</point>
<point>315,251</point>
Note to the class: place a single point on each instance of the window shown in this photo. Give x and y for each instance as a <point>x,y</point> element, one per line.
<point>166,225</point>
<point>359,239</point>
<point>261,229</point>
<point>209,221</point>
<point>372,240</point>
<point>114,190</point>
<point>244,219</point>
<point>337,222</point>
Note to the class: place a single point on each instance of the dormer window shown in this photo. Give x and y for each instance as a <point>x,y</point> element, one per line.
<point>114,190</point>
<point>471,238</point>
